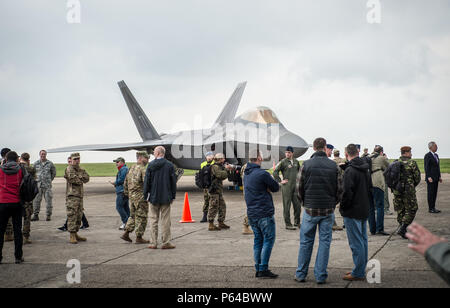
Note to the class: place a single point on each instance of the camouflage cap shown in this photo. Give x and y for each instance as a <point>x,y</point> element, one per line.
<point>405,149</point>
<point>119,159</point>
<point>336,152</point>
<point>75,155</point>
<point>142,153</point>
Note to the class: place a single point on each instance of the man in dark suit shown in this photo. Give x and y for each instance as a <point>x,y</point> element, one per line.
<point>432,176</point>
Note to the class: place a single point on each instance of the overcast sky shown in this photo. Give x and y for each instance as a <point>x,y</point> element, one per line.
<point>319,65</point>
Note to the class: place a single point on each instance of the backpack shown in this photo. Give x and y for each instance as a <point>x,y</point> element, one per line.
<point>203,178</point>
<point>392,176</point>
<point>28,187</point>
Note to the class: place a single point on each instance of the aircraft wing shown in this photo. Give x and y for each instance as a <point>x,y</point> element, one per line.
<point>111,147</point>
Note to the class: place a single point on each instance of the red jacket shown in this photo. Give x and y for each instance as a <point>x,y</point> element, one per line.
<point>10,179</point>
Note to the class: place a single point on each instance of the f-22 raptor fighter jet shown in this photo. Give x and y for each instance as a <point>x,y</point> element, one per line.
<point>235,137</point>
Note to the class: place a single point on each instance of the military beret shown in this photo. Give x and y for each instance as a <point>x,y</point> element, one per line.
<point>405,149</point>
<point>142,153</point>
<point>75,155</point>
<point>330,146</point>
<point>119,159</point>
<point>290,149</point>
<point>358,146</point>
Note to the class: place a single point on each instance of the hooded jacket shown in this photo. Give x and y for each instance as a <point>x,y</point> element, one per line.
<point>10,180</point>
<point>160,183</point>
<point>356,198</point>
<point>257,183</point>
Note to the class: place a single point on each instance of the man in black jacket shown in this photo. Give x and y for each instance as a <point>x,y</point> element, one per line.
<point>160,187</point>
<point>258,185</point>
<point>319,186</point>
<point>355,210</point>
<point>432,176</point>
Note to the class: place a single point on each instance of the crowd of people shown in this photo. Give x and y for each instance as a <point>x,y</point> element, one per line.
<point>358,185</point>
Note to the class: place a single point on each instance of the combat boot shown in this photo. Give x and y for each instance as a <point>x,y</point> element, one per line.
<point>35,217</point>
<point>73,238</point>
<point>140,240</point>
<point>213,227</point>
<point>79,238</point>
<point>205,217</point>
<point>26,240</point>
<point>49,218</point>
<point>126,237</point>
<point>247,230</point>
<point>402,231</point>
<point>223,226</point>
<point>9,237</point>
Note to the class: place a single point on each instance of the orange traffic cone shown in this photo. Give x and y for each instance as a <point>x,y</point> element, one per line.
<point>186,217</point>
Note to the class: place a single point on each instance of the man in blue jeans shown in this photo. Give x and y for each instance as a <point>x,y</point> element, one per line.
<point>258,184</point>
<point>355,210</point>
<point>319,185</point>
<point>122,205</point>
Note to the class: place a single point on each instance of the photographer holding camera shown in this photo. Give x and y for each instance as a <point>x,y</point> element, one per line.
<point>216,202</point>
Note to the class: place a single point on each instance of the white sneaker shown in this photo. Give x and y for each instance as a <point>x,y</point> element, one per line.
<point>122,227</point>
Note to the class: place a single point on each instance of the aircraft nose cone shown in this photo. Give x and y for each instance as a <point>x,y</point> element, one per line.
<point>298,143</point>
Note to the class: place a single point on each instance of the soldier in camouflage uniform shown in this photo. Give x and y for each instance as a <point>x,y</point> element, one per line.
<point>216,201</point>
<point>27,206</point>
<point>339,161</point>
<point>246,230</point>
<point>405,203</point>
<point>209,161</point>
<point>289,168</point>
<point>76,178</point>
<point>134,189</point>
<point>45,173</point>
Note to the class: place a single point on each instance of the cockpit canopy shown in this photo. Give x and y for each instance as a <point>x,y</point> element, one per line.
<point>261,115</point>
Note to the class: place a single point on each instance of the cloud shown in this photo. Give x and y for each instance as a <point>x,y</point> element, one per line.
<point>319,65</point>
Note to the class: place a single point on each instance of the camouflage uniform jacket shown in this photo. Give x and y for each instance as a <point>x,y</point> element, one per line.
<point>134,183</point>
<point>219,174</point>
<point>75,177</point>
<point>289,169</point>
<point>410,176</point>
<point>30,169</point>
<point>45,173</point>
<point>339,161</point>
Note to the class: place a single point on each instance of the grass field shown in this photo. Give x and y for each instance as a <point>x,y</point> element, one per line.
<point>109,169</point>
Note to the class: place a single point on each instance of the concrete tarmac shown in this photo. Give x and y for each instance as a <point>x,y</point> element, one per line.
<point>204,259</point>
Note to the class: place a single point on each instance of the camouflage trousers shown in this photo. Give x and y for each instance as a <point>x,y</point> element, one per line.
<point>138,217</point>
<point>27,212</point>
<point>246,221</point>
<point>47,194</point>
<point>206,197</point>
<point>74,208</point>
<point>406,207</point>
<point>216,205</point>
